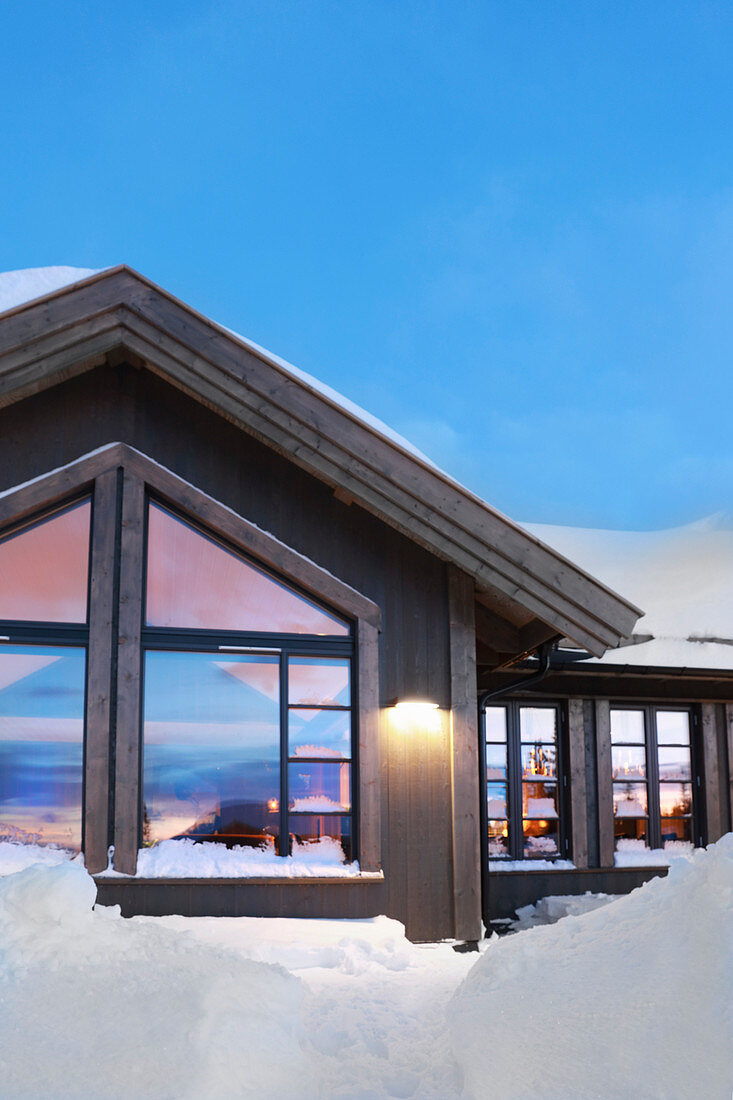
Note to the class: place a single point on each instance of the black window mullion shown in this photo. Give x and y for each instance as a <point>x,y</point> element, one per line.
<point>514,760</point>
<point>284,839</point>
<point>652,778</point>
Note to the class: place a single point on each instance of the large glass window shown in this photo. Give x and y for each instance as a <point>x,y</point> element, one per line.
<point>44,579</point>
<point>651,766</point>
<point>247,720</point>
<point>521,756</point>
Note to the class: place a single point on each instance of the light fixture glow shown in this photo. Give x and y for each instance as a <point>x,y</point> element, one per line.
<point>415,704</point>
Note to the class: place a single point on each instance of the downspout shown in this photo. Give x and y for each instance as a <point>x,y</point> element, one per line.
<point>544,654</point>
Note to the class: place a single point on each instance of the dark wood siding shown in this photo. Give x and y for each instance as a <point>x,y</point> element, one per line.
<point>408,583</point>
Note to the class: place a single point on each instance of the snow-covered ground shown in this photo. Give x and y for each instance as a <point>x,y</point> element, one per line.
<point>629,1000</point>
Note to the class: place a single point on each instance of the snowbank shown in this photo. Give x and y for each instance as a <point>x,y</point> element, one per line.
<point>94,1005</point>
<point>16,857</point>
<point>633,999</point>
<point>551,909</point>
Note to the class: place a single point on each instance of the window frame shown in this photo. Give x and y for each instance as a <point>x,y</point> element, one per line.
<point>649,712</point>
<point>118,479</point>
<point>54,633</point>
<point>514,781</point>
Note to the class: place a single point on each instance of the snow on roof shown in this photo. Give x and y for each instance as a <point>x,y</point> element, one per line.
<point>19,287</point>
<point>681,577</point>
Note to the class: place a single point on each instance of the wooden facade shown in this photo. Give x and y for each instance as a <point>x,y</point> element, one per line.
<point>443,591</point>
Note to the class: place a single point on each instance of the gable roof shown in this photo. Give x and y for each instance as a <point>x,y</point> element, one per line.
<point>682,576</point>
<point>72,329</point>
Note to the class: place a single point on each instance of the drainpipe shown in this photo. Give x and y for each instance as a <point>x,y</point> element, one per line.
<point>519,685</point>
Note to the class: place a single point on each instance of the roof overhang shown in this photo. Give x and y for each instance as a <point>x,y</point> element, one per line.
<point>74,329</point>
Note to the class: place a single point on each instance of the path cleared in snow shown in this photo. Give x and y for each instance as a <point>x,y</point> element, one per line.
<point>631,999</point>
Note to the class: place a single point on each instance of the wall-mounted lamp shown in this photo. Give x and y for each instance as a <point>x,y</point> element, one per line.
<point>420,715</point>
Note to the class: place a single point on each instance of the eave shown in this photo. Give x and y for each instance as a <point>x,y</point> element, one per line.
<point>74,329</point>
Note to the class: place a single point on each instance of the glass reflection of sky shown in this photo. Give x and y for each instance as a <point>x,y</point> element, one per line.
<point>319,681</point>
<point>44,569</point>
<point>195,582</point>
<point>41,743</point>
<point>212,746</point>
<point>319,733</point>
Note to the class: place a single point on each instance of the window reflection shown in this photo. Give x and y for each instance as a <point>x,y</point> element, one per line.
<point>627,726</point>
<point>319,788</point>
<point>319,733</point>
<point>496,762</point>
<point>541,838</point>
<point>630,800</point>
<point>44,568</point>
<point>498,838</point>
<point>307,828</point>
<point>212,748</point>
<point>41,744</point>
<point>319,681</point>
<point>195,582</point>
<point>673,727</point>
<point>628,762</point>
<point>496,799</point>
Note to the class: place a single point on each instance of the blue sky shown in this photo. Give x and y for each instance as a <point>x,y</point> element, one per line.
<point>505,228</point>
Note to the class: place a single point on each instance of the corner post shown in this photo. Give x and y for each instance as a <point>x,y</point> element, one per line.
<point>129,673</point>
<point>465,791</point>
<point>99,674</point>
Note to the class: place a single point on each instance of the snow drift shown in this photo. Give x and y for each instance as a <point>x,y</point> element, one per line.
<point>93,1005</point>
<point>632,999</point>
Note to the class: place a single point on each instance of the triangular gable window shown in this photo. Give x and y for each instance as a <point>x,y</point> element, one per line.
<point>44,568</point>
<point>196,583</point>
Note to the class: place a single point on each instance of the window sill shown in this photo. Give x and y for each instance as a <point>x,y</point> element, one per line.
<point>259,880</point>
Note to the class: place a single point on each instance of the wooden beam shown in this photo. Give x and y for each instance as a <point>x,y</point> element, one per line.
<point>253,540</point>
<point>605,783</point>
<point>370,776</point>
<point>254,390</point>
<point>711,773</point>
<point>578,795</point>
<point>99,673</point>
<point>129,674</point>
<point>495,632</point>
<point>466,794</point>
<point>729,739</point>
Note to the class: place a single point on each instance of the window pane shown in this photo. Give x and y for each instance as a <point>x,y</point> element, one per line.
<point>539,800</point>
<point>676,830</point>
<point>496,800</point>
<point>495,723</point>
<point>673,727</point>
<point>309,827</point>
<point>539,759</point>
<point>498,839</point>
<point>537,723</point>
<point>212,747</point>
<point>674,763</point>
<point>319,788</point>
<point>41,744</point>
<point>627,725</point>
<point>675,799</point>
<point>541,839</point>
<point>496,761</point>
<point>44,569</point>
<point>631,832</point>
<point>629,800</point>
<point>320,733</point>
<point>319,681</point>
<point>628,762</point>
<point>195,582</point>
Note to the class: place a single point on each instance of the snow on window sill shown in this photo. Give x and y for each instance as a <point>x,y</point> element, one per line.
<point>633,853</point>
<point>185,859</point>
<point>531,865</point>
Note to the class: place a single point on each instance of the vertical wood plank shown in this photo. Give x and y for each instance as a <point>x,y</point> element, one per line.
<point>605,782</point>
<point>370,779</point>
<point>711,774</point>
<point>466,793</point>
<point>99,674</point>
<point>578,793</point>
<point>127,755</point>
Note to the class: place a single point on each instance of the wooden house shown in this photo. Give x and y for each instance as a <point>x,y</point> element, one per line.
<point>235,609</point>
